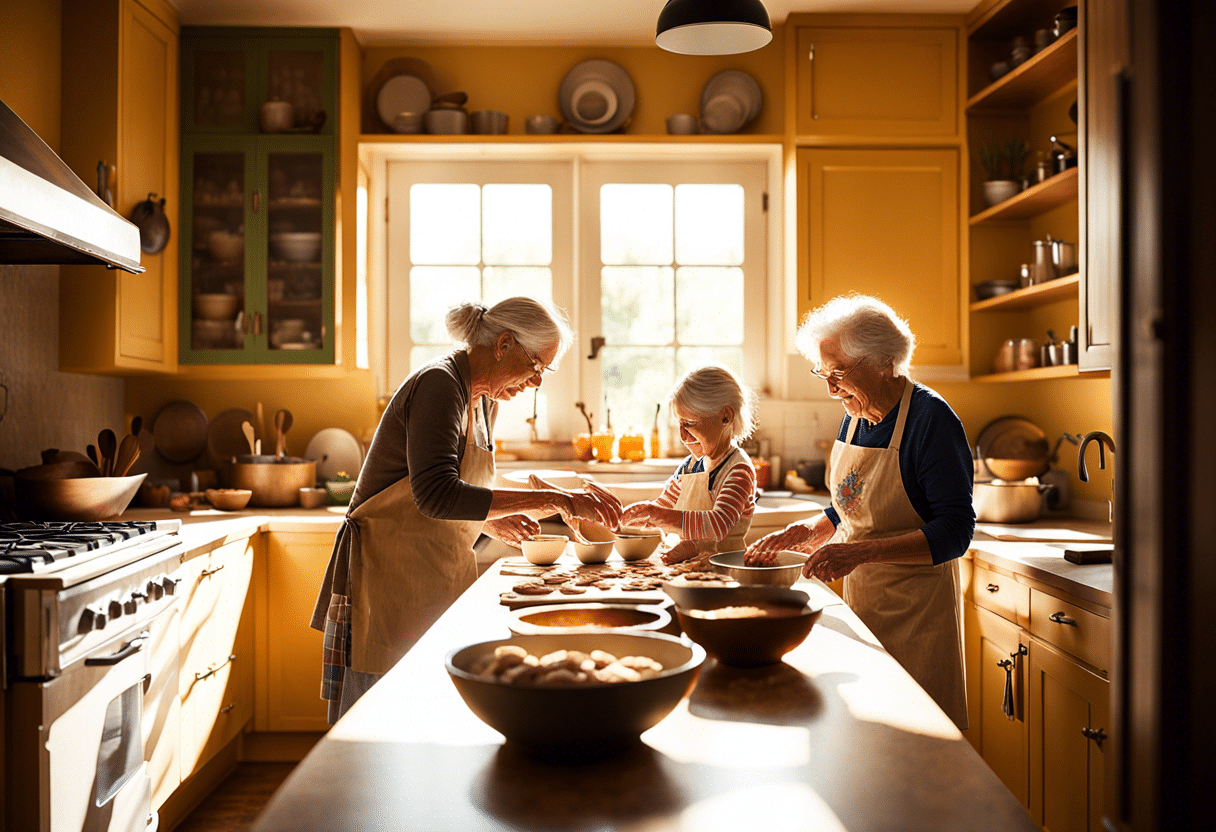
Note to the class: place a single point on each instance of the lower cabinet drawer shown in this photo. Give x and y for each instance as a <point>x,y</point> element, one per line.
<point>1072,629</point>
<point>1001,595</point>
<point>214,711</point>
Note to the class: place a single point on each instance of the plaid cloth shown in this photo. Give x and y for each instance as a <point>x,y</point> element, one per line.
<point>335,652</point>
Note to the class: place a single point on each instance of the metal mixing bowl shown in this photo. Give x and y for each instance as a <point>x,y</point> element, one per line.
<point>787,570</point>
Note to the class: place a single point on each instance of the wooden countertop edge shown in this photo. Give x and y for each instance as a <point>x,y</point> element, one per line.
<point>1022,562</point>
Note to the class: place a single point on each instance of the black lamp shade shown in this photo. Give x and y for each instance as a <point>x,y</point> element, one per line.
<point>713,27</point>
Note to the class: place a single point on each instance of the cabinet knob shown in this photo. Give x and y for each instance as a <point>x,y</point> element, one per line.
<point>993,588</point>
<point>1061,618</point>
<point>227,707</point>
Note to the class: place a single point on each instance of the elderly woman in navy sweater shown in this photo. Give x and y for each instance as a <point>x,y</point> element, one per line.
<point>901,512</point>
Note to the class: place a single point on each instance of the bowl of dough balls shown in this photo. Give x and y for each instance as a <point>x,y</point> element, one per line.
<point>581,692</point>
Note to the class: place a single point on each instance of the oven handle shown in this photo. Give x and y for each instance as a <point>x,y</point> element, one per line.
<point>133,646</point>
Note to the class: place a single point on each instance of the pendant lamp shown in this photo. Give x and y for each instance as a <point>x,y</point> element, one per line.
<point>713,27</point>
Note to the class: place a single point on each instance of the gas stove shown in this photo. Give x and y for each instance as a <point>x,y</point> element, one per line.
<point>49,546</point>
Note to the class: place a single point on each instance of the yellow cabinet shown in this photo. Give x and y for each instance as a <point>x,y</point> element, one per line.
<point>999,672</point>
<point>1069,720</point>
<point>162,705</point>
<point>120,94</point>
<point>216,680</point>
<point>885,223</point>
<point>289,662</point>
<point>874,81</point>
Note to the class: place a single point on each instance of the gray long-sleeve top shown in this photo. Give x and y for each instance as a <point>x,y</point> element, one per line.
<point>422,436</point>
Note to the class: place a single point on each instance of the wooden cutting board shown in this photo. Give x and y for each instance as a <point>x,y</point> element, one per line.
<point>1043,534</point>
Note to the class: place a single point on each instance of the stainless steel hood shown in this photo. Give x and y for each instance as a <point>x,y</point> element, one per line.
<point>47,215</point>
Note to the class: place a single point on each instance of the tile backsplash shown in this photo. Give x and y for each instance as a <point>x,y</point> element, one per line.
<point>41,407</point>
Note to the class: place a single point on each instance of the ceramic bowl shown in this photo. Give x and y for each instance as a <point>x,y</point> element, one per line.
<point>297,246</point>
<point>637,546</point>
<point>682,124</point>
<point>276,116</point>
<point>783,618</point>
<point>585,719</point>
<point>407,122</point>
<point>593,552</point>
<point>339,492</point>
<point>216,306</point>
<point>544,549</point>
<point>787,570</point>
<point>226,246</point>
<point>561,618</point>
<point>446,122</point>
<point>228,499</point>
<point>488,122</point>
<point>312,497</point>
<point>541,125</point>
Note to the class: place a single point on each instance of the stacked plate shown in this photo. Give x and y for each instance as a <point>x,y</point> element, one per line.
<point>597,96</point>
<point>730,100</point>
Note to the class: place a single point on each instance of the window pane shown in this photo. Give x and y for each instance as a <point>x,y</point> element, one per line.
<point>635,380</point>
<point>709,306</point>
<point>501,283</point>
<point>445,222</point>
<point>433,291</point>
<point>689,358</point>
<point>425,355</point>
<point>636,305</point>
<point>517,225</point>
<point>709,225</point>
<point>635,225</point>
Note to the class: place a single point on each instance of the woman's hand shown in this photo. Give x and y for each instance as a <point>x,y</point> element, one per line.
<point>595,504</point>
<point>512,529</point>
<point>835,560</point>
<point>637,515</point>
<point>764,551</point>
<point>681,552</point>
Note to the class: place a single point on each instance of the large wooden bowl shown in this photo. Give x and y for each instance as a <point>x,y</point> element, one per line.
<point>587,719</point>
<point>751,641</point>
<point>80,499</point>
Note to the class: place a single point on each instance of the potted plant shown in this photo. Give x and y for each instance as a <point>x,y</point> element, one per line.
<point>1003,162</point>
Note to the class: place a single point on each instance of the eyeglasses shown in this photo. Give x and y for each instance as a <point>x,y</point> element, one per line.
<point>835,376</point>
<point>539,368</point>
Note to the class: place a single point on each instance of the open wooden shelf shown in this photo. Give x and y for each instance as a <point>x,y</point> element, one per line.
<point>1041,373</point>
<point>1028,84</point>
<point>1059,289</point>
<point>1002,19</point>
<point>1035,200</point>
<point>566,138</point>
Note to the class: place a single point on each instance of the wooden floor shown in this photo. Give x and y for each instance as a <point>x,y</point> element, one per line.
<point>235,805</point>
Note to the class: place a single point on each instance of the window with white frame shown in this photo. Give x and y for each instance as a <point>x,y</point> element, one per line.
<point>665,261</point>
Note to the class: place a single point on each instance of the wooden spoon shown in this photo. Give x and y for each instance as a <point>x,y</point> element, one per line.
<point>137,424</point>
<point>128,452</point>
<point>247,429</point>
<point>282,424</point>
<point>107,444</point>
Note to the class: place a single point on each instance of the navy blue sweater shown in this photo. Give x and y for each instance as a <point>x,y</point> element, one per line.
<point>935,465</point>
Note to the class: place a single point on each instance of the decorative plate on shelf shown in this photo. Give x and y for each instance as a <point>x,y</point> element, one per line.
<point>336,451</point>
<point>1012,437</point>
<point>596,96</point>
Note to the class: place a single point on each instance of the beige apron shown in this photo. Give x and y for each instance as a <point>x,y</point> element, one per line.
<point>695,495</point>
<point>407,568</point>
<point>912,610</point>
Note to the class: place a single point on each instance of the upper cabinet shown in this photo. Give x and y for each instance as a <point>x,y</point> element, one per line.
<point>885,222</point>
<point>1105,55</point>
<point>258,173</point>
<point>874,81</point>
<point>120,106</point>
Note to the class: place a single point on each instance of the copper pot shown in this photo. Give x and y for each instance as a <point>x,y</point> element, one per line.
<point>275,484</point>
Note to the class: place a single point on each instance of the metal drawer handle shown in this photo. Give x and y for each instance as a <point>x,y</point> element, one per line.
<point>132,647</point>
<point>208,572</point>
<point>993,587</point>
<point>227,707</point>
<point>1095,734</point>
<point>213,669</point>
<point>1061,618</point>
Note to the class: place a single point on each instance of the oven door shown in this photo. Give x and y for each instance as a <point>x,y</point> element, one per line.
<point>84,730</point>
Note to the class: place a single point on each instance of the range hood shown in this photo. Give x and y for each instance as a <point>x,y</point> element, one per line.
<point>47,215</point>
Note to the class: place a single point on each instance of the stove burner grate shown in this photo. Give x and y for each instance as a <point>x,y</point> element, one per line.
<point>26,544</point>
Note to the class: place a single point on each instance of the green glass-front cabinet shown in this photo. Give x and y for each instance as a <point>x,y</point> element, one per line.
<point>257,282</point>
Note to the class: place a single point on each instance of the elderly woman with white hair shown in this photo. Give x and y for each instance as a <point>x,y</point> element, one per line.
<point>901,513</point>
<point>404,551</point>
<point>710,499</point>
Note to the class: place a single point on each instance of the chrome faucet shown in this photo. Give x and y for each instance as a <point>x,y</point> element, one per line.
<point>1104,441</point>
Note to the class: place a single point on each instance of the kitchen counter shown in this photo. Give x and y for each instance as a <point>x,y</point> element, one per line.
<point>1043,561</point>
<point>206,529</point>
<point>838,737</point>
